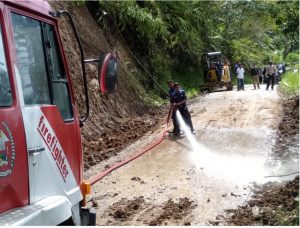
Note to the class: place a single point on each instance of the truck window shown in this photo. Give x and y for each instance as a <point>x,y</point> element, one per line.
<point>40,65</point>
<point>61,96</point>
<point>5,89</point>
<point>31,60</point>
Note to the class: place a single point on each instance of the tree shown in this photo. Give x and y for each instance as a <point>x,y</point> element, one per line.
<point>171,36</point>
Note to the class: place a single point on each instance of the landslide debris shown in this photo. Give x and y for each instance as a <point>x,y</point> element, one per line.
<point>173,213</point>
<point>288,130</point>
<point>140,212</point>
<point>116,120</point>
<point>100,145</point>
<point>273,204</point>
<point>123,211</point>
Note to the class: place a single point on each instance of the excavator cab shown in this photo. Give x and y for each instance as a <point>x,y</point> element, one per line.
<point>216,72</point>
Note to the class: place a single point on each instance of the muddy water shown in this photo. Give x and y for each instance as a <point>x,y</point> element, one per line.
<point>216,168</point>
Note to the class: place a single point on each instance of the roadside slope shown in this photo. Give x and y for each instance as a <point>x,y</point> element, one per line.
<point>116,120</point>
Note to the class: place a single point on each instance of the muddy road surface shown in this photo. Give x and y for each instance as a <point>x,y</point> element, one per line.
<point>192,179</point>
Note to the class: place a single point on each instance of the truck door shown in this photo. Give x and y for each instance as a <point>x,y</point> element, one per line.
<point>51,128</point>
<point>13,157</point>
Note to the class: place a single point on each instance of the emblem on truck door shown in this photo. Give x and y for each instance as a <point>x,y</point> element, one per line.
<point>7,150</point>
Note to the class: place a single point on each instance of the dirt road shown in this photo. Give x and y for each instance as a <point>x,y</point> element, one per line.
<point>192,179</point>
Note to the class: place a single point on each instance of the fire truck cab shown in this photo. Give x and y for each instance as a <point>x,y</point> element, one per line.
<point>41,165</point>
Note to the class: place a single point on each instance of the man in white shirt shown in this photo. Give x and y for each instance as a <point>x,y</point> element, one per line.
<point>240,77</point>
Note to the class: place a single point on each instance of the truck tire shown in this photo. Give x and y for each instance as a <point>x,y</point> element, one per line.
<point>68,222</point>
<point>229,87</point>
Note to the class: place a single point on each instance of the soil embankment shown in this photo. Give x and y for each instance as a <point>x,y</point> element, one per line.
<point>116,120</point>
<point>288,130</point>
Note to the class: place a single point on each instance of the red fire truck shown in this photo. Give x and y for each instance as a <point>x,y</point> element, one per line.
<point>41,165</point>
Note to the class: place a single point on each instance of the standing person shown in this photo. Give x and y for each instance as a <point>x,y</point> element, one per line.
<point>240,77</point>
<point>254,74</point>
<point>264,75</point>
<point>179,101</point>
<point>227,70</point>
<point>260,75</point>
<point>283,68</point>
<point>176,129</point>
<point>236,67</point>
<point>270,73</point>
<point>171,87</point>
<point>219,69</point>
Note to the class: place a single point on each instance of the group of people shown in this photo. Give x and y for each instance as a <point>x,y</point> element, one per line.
<point>269,74</point>
<point>178,102</point>
<point>178,98</point>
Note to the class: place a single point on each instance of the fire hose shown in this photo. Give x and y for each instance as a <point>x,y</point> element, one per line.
<point>137,154</point>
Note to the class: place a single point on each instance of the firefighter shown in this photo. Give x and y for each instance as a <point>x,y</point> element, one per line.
<point>176,129</point>
<point>178,100</point>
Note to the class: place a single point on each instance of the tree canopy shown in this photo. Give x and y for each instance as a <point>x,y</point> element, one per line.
<point>170,36</point>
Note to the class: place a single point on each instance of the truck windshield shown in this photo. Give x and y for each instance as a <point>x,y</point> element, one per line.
<point>5,89</point>
<point>40,65</point>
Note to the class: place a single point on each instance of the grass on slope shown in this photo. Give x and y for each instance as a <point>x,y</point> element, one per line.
<point>289,84</point>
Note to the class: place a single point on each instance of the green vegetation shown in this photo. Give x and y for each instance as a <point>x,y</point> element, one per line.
<point>150,98</point>
<point>189,81</point>
<point>292,58</point>
<point>290,83</point>
<point>287,218</point>
<point>169,37</point>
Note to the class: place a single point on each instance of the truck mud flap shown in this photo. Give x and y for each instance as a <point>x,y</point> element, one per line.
<point>88,217</point>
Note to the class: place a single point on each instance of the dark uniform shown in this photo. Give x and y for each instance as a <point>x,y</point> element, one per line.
<point>176,98</point>
<point>175,124</point>
<point>171,91</point>
<point>219,69</point>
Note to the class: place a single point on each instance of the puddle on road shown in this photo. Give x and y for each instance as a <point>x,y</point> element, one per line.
<point>287,164</point>
<point>216,168</point>
<point>234,155</point>
<point>237,155</point>
<point>235,169</point>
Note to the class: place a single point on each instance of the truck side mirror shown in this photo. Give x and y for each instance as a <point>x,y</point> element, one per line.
<point>108,72</point>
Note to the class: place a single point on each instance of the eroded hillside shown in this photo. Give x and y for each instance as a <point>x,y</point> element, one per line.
<point>117,113</point>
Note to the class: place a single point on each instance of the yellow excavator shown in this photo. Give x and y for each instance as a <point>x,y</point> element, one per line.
<point>216,72</point>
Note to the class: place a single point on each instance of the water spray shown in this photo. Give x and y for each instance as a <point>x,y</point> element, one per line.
<point>186,130</point>
<point>235,168</point>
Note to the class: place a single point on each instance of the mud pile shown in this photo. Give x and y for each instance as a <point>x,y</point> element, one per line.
<point>140,212</point>
<point>271,205</point>
<point>288,130</point>
<point>127,208</point>
<point>101,145</point>
<point>172,212</point>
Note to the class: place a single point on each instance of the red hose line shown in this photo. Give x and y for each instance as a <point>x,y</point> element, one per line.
<point>137,154</point>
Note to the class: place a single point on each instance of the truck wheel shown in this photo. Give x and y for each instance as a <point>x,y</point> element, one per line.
<point>68,222</point>
<point>229,87</point>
